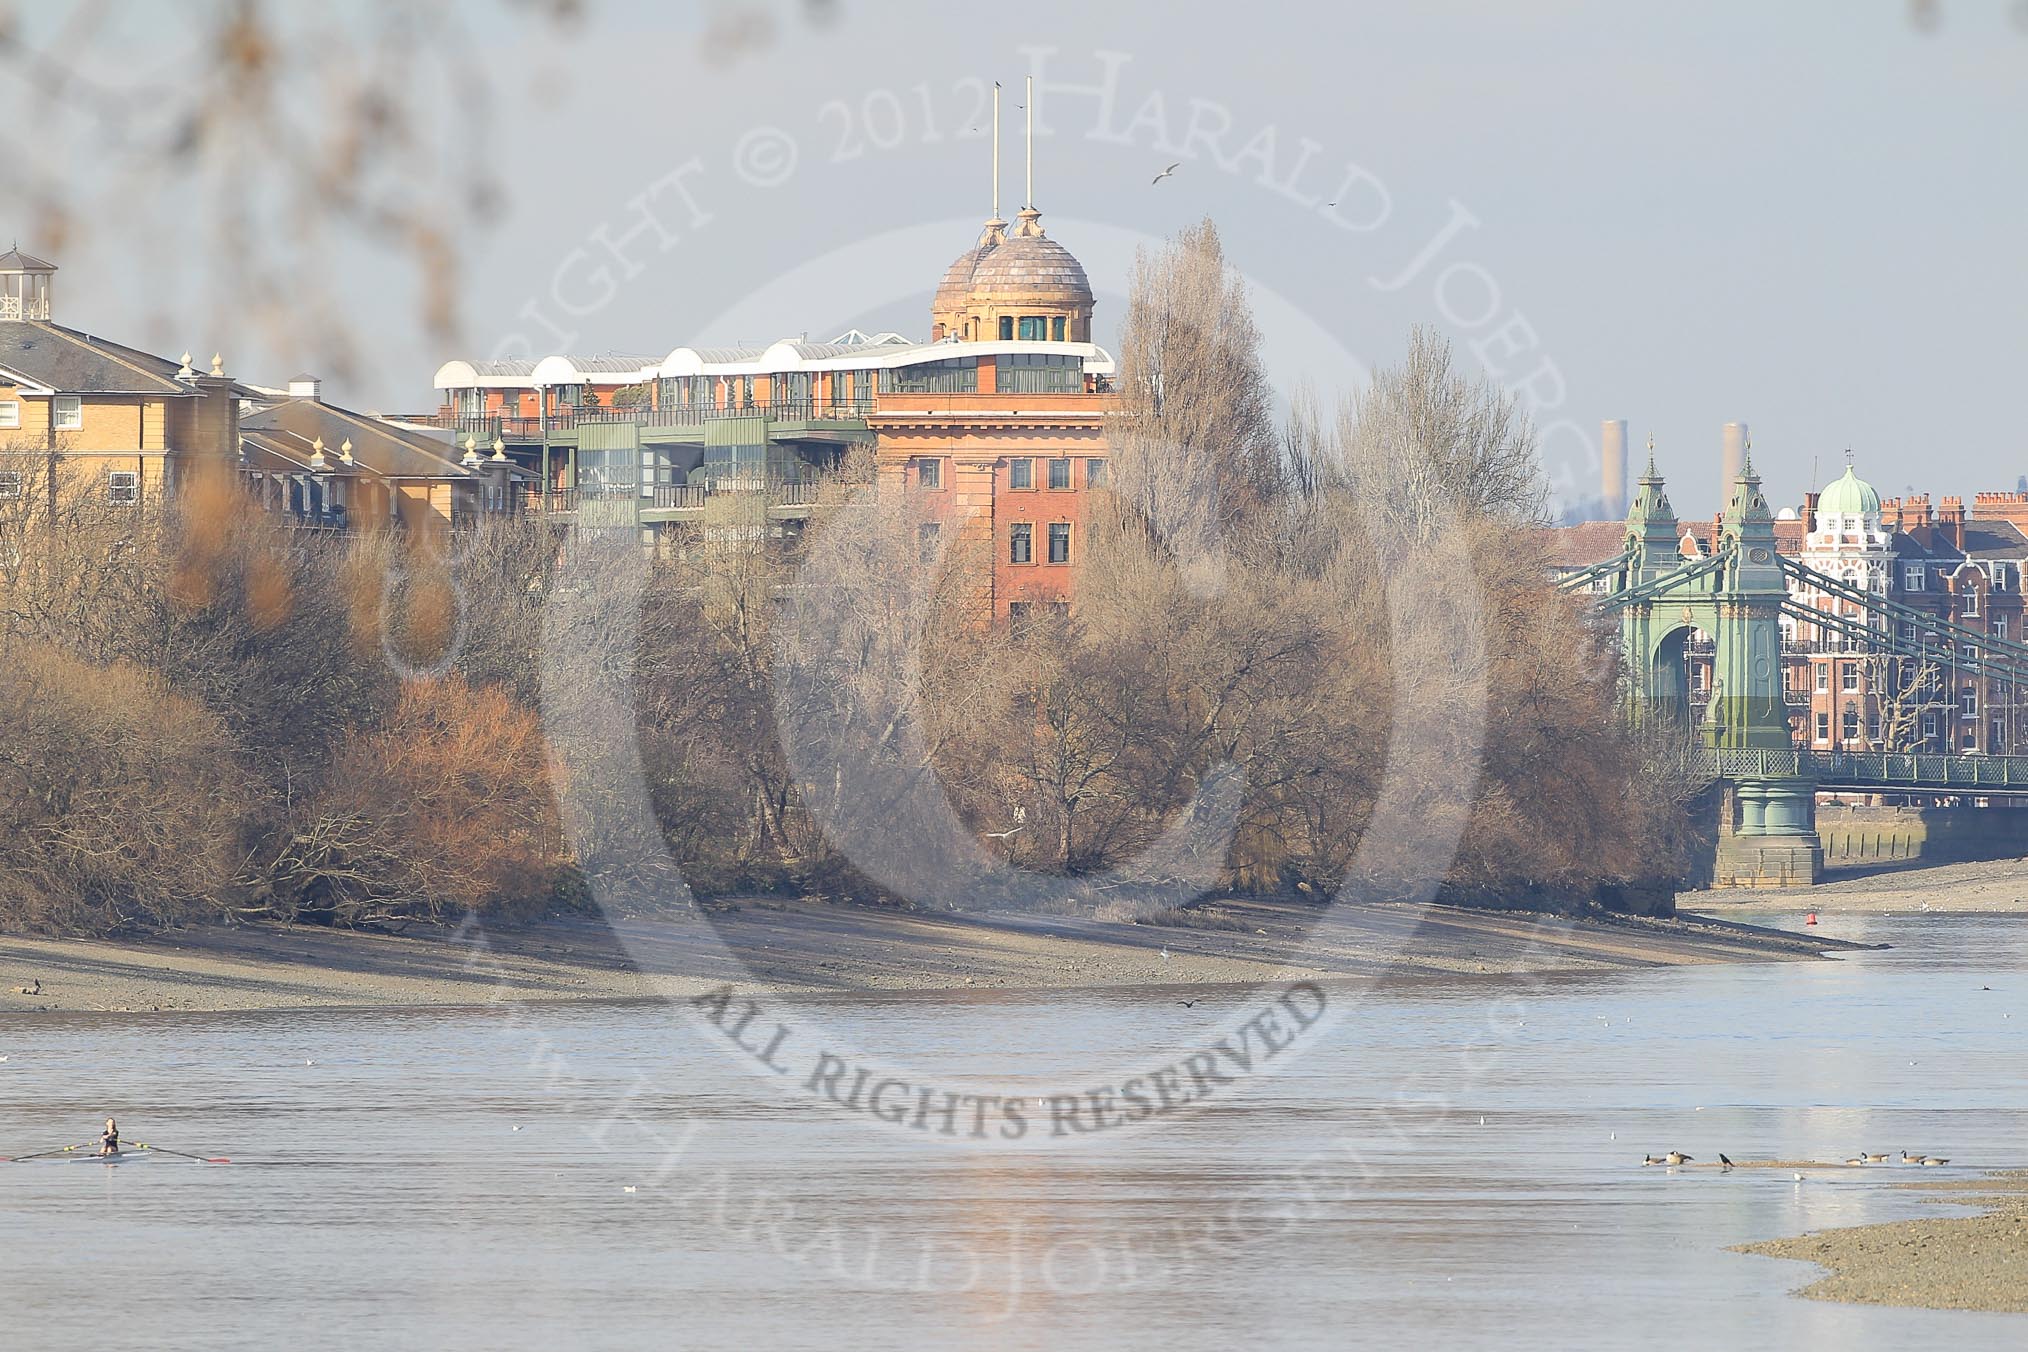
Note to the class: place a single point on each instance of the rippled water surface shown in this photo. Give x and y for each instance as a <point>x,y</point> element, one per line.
<point>458,1179</point>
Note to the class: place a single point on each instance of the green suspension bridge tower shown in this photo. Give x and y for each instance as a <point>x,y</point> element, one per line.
<point>1737,596</point>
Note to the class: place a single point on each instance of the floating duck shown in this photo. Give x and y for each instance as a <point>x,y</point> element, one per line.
<point>1934,1160</point>
<point>1647,1160</point>
<point>1907,1158</point>
<point>1876,1159</point>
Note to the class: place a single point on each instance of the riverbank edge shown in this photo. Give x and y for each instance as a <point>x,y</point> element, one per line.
<point>1927,1262</point>
<point>790,945</point>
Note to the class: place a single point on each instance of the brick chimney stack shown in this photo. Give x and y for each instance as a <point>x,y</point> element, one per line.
<point>1951,521</point>
<point>1915,519</point>
<point>2010,507</point>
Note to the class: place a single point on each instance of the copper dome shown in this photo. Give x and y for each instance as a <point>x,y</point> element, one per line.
<point>1030,264</point>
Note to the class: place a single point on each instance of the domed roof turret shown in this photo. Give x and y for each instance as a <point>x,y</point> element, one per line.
<point>1849,496</point>
<point>957,282</point>
<point>1028,263</point>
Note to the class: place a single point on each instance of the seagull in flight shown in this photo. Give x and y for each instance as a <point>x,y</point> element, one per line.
<point>1166,172</point>
<point>1002,835</point>
<point>1187,1004</point>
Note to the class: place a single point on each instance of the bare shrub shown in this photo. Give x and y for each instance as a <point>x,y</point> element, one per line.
<point>120,800</point>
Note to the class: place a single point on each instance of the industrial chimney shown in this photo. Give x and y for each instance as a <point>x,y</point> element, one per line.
<point>1612,441</point>
<point>1734,456</point>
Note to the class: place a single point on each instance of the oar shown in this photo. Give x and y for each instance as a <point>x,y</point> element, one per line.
<point>44,1154</point>
<point>201,1159</point>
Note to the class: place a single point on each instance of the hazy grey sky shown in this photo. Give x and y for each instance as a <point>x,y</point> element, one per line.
<point>1810,216</point>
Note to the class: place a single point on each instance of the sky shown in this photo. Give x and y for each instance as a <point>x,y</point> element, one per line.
<point>1810,217</point>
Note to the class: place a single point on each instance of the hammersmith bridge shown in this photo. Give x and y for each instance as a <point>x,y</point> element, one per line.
<point>1739,596</point>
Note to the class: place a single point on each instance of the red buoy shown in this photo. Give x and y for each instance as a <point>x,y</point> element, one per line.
<point>1810,919</point>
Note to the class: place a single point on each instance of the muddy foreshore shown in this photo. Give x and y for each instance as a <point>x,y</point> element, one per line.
<point>1932,1262</point>
<point>804,945</point>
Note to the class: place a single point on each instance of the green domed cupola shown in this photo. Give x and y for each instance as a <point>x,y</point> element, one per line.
<point>1849,496</point>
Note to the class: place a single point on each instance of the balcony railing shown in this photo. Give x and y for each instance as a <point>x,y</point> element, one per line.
<point>673,497</point>
<point>487,426</point>
<point>1874,769</point>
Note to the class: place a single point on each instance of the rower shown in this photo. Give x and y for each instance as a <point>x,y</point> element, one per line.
<point>109,1140</point>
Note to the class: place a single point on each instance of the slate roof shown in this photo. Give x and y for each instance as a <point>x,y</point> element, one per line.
<point>16,261</point>
<point>289,428</point>
<point>1995,540</point>
<point>71,362</point>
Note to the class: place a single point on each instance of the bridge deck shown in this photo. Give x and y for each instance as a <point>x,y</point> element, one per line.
<point>1877,771</point>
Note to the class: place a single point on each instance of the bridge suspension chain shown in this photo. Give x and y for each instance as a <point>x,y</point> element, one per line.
<point>2005,649</point>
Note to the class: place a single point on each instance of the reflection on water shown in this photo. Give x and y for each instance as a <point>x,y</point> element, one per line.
<point>1459,1163</point>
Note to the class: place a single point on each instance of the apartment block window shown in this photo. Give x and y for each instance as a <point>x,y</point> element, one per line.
<point>1873,727</point>
<point>1034,328</point>
<point>2000,626</point>
<point>123,486</point>
<point>1017,614</point>
<point>10,485</point>
<point>1094,473</point>
<point>1848,679</point>
<point>926,536</point>
<point>1056,328</point>
<point>1823,727</point>
<point>68,411</point>
<point>1971,603</point>
<point>1968,700</point>
<point>1970,653</point>
<point>1849,725</point>
<point>1059,473</point>
<point>1021,473</point>
<point>1929,726</point>
<point>1912,577</point>
<point>1056,610</point>
<point>10,413</point>
<point>929,473</point>
<point>1021,542</point>
<point>1006,328</point>
<point>1823,677</point>
<point>1059,542</point>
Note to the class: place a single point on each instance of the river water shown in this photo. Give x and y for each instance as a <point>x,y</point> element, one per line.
<point>1457,1163</point>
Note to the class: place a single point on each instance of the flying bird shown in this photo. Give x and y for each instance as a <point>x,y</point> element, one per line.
<point>1166,172</point>
<point>1678,1157</point>
<point>1187,1004</point>
<point>1001,835</point>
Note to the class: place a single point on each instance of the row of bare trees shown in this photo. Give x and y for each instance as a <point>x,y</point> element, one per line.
<point>1307,649</point>
<point>210,715</point>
